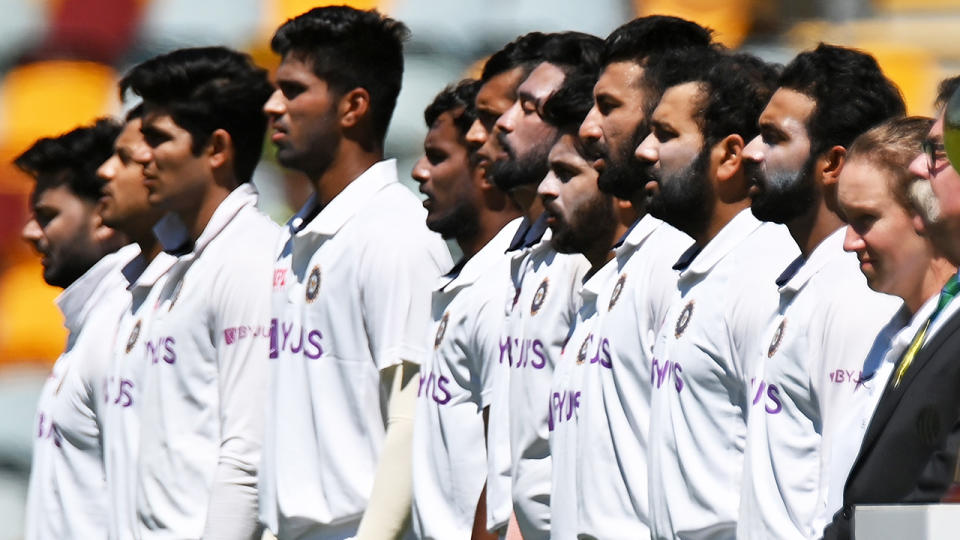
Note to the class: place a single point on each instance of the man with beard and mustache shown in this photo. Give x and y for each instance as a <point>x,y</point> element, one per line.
<point>810,356</point>
<point>632,302</point>
<point>725,291</point>
<point>456,381</point>
<point>909,451</point>
<point>540,311</point>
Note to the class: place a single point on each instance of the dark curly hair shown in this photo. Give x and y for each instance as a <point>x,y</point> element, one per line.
<point>850,91</point>
<point>459,100</point>
<point>522,52</point>
<point>348,49</point>
<point>569,105</point>
<point>205,89</point>
<point>71,159</point>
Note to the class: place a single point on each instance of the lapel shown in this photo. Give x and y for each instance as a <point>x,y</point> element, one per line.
<point>891,396</point>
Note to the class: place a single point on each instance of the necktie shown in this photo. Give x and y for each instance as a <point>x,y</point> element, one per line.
<point>950,289</point>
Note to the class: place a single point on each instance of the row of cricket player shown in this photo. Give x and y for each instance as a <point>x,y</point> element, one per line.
<point>688,279</point>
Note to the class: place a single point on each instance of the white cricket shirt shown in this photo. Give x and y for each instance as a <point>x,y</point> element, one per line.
<point>809,379</point>
<point>876,374</point>
<point>563,406</point>
<point>205,381</point>
<point>456,383</point>
<point>615,405</point>
<point>351,297</point>
<point>122,386</point>
<point>66,497</point>
<point>544,309</point>
<point>726,294</point>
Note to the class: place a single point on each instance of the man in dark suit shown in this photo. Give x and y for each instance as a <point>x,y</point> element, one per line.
<point>909,451</point>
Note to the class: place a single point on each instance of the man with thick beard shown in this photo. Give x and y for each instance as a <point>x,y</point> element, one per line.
<point>810,357</point>
<point>631,302</point>
<point>456,380</point>
<point>725,289</point>
<point>540,311</point>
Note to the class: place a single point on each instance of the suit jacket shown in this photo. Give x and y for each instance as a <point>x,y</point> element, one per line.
<point>909,450</point>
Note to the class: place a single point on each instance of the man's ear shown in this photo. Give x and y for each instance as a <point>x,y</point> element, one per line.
<point>830,164</point>
<point>219,148</point>
<point>729,151</point>
<point>353,107</point>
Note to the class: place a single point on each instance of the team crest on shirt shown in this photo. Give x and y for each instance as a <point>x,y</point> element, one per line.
<point>777,338</point>
<point>582,353</point>
<point>539,296</point>
<point>441,330</point>
<point>134,334</point>
<point>683,320</point>
<point>313,284</point>
<point>617,289</point>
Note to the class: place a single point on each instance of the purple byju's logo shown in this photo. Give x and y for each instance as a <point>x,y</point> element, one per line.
<point>539,296</point>
<point>683,320</point>
<point>563,407</point>
<point>617,290</point>
<point>441,330</point>
<point>769,394</point>
<point>313,284</point>
<point>290,337</point>
<point>237,333</point>
<point>134,334</point>
<point>777,338</point>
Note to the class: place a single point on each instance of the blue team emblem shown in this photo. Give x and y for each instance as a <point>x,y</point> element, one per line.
<point>684,319</point>
<point>313,284</point>
<point>132,340</point>
<point>617,289</point>
<point>777,338</point>
<point>441,330</point>
<point>582,353</point>
<point>539,296</point>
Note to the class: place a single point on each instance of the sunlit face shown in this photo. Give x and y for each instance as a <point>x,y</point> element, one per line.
<point>893,257</point>
<point>445,177</point>
<point>679,191</point>
<point>615,126</point>
<point>945,183</point>
<point>494,98</point>
<point>526,138</point>
<point>62,230</point>
<point>778,163</point>
<point>578,213</point>
<point>125,196</point>
<point>303,115</point>
<point>175,177</point>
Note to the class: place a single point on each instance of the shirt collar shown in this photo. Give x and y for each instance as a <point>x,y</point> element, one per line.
<point>701,261</point>
<point>475,267</point>
<point>801,270</point>
<point>140,273</point>
<point>347,203</point>
<point>591,287</point>
<point>76,301</point>
<point>637,233</point>
<point>173,234</point>
<point>529,234</point>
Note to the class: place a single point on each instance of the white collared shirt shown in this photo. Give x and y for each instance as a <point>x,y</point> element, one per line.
<point>698,409</point>
<point>544,308</point>
<point>615,405</point>
<point>563,406</point>
<point>456,382</point>
<point>808,380</point>
<point>877,371</point>
<point>206,352</point>
<point>351,298</point>
<point>122,387</point>
<point>66,497</point>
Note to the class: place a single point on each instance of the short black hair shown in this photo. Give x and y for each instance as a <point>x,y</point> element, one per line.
<point>655,34</point>
<point>945,91</point>
<point>569,105</point>
<point>525,52</point>
<point>349,48</point>
<point>204,89</point>
<point>850,91</point>
<point>573,52</point>
<point>734,88</point>
<point>71,159</point>
<point>460,101</point>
